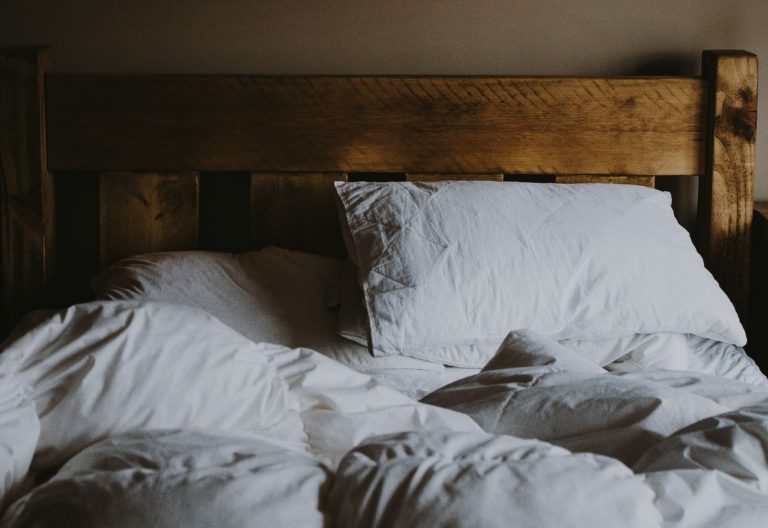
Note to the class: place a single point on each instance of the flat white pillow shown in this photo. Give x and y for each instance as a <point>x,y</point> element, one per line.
<point>449,265</point>
<point>104,368</point>
<point>273,295</point>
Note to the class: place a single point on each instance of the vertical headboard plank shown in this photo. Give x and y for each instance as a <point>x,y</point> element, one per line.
<point>26,190</point>
<point>142,212</point>
<point>725,190</point>
<point>296,210</point>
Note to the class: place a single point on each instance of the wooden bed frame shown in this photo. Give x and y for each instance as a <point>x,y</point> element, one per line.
<point>98,167</point>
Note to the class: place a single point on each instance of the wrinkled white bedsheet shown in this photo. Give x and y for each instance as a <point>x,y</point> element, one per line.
<point>699,441</point>
<point>540,437</point>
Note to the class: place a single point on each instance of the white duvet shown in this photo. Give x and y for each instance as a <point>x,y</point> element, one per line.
<point>140,427</point>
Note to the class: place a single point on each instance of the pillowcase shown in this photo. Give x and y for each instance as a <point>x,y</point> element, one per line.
<point>353,325</point>
<point>272,295</point>
<point>103,368</point>
<point>448,268</point>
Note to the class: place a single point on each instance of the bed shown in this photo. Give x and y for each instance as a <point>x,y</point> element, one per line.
<point>291,300</point>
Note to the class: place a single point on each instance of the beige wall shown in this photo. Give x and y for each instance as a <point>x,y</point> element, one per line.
<point>600,37</point>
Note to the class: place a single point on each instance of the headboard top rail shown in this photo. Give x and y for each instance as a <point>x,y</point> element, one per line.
<point>638,126</point>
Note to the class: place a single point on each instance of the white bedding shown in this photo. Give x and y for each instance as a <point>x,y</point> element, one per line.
<point>542,436</point>
<point>19,433</point>
<point>536,388</point>
<point>676,352</point>
<point>417,383</point>
<point>99,369</point>
<point>180,478</point>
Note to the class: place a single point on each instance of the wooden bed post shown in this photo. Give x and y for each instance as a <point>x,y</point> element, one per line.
<point>26,186</point>
<point>725,191</point>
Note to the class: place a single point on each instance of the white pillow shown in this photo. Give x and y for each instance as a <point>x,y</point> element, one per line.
<point>454,266</point>
<point>272,295</point>
<point>105,368</point>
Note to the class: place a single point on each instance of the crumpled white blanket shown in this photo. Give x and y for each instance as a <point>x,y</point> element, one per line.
<point>179,478</point>
<point>85,377</point>
<point>699,441</point>
<point>565,443</point>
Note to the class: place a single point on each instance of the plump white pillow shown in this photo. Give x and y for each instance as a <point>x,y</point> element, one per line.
<point>448,268</point>
<point>104,368</point>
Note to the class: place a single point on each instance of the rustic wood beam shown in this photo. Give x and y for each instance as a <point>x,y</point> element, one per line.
<point>725,190</point>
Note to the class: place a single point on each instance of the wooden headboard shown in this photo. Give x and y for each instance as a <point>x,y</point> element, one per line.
<point>97,167</point>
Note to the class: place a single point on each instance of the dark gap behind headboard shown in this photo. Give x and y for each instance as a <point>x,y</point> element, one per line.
<point>77,236</point>
<point>225,211</point>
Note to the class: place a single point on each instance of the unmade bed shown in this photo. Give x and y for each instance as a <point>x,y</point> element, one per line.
<point>241,300</point>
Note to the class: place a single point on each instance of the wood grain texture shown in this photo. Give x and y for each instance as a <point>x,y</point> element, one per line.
<point>26,193</point>
<point>296,211</point>
<point>725,190</point>
<point>645,181</point>
<point>630,126</point>
<point>146,212</point>
<point>453,177</point>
